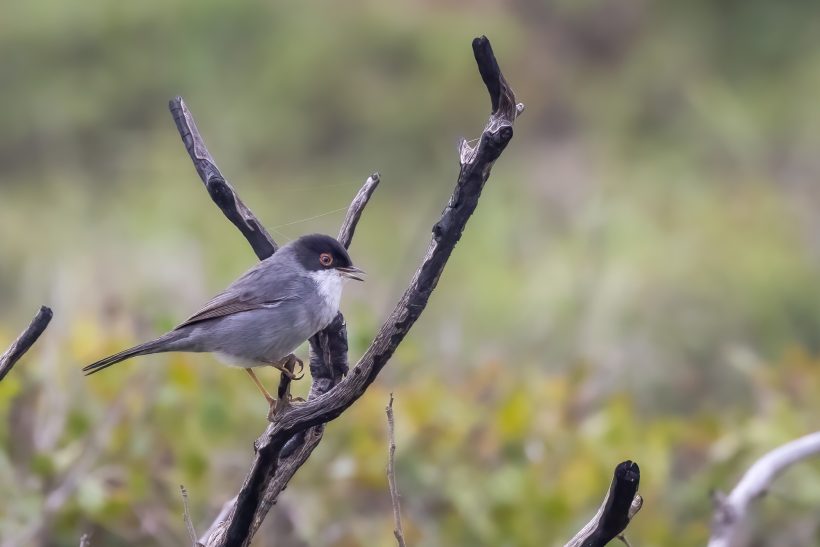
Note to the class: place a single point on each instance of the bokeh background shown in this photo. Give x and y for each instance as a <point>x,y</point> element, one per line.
<point>641,279</point>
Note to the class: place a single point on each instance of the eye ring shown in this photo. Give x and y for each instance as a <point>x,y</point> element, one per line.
<point>325,259</point>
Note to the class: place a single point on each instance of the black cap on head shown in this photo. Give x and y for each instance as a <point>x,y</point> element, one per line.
<point>320,252</point>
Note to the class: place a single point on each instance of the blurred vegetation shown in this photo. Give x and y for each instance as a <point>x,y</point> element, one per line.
<point>640,280</point>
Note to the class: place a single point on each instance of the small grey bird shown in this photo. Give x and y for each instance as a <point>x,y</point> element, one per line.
<point>264,315</point>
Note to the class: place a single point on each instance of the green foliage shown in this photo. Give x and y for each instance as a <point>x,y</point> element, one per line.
<point>639,281</point>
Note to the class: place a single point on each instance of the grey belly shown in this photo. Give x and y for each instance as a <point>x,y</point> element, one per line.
<point>255,337</point>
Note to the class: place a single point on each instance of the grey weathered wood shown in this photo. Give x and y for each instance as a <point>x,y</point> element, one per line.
<point>476,164</point>
<point>220,190</point>
<point>328,348</point>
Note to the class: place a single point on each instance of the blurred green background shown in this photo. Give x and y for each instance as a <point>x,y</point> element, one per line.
<point>641,279</point>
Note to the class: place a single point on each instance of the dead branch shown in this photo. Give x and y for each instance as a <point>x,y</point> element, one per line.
<point>354,212</point>
<point>391,474</point>
<point>475,170</point>
<point>218,187</point>
<point>26,339</point>
<point>328,360</point>
<point>223,514</point>
<point>186,515</point>
<point>328,348</point>
<point>730,511</point>
<point>620,504</point>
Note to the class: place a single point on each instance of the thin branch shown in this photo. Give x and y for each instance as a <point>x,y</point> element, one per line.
<point>218,187</point>
<point>85,540</point>
<point>620,504</point>
<point>321,346</point>
<point>354,212</point>
<point>475,170</point>
<point>186,515</point>
<point>731,510</point>
<point>391,474</point>
<point>25,340</point>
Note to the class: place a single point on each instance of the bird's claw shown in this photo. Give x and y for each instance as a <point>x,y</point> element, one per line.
<point>277,406</point>
<point>292,376</point>
<point>288,367</point>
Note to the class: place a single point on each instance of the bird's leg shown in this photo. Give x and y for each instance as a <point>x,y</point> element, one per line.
<point>283,393</point>
<point>271,400</point>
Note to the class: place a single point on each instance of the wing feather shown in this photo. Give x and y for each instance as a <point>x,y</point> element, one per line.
<point>254,290</point>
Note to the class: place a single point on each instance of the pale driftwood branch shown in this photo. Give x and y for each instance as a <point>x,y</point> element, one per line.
<point>391,474</point>
<point>186,515</point>
<point>731,511</point>
<point>476,163</point>
<point>620,504</point>
<point>24,342</point>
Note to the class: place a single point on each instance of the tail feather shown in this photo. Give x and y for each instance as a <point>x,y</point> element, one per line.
<point>154,346</point>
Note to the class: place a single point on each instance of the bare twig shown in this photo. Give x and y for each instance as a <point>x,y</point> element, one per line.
<point>475,170</point>
<point>354,212</point>
<point>186,515</point>
<point>24,342</point>
<point>391,474</point>
<point>621,503</point>
<point>85,540</point>
<point>731,510</point>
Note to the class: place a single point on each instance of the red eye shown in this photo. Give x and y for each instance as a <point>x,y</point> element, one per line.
<point>325,259</point>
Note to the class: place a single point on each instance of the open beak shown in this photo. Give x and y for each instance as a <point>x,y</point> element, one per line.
<point>352,272</point>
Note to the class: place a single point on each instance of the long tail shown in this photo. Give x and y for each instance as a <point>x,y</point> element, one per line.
<point>154,346</point>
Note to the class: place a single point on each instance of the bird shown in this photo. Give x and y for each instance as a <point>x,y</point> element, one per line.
<point>263,316</point>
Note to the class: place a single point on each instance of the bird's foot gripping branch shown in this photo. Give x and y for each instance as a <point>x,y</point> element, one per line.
<point>296,430</point>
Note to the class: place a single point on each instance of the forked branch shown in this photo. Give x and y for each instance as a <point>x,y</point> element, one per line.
<point>274,449</point>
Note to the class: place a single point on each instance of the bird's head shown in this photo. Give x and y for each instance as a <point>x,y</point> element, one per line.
<point>322,253</point>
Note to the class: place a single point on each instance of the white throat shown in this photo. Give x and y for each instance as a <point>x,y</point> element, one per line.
<point>330,284</point>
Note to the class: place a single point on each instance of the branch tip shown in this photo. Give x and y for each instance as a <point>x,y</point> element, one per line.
<point>621,503</point>
<point>26,339</point>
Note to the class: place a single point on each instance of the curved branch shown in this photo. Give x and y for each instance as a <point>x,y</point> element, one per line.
<point>620,504</point>
<point>26,339</point>
<point>218,187</point>
<point>730,511</point>
<point>476,165</point>
<point>354,212</point>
